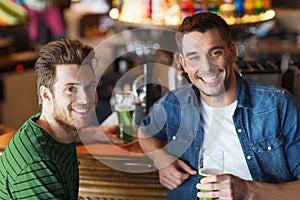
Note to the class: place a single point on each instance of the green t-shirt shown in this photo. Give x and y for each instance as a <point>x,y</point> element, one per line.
<point>35,166</point>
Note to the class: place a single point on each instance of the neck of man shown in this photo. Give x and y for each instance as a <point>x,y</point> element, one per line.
<point>58,133</point>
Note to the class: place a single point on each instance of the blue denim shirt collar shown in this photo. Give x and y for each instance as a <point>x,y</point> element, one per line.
<point>242,94</point>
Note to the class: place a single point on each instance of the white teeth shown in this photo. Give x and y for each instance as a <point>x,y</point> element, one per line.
<point>210,79</point>
<point>83,110</point>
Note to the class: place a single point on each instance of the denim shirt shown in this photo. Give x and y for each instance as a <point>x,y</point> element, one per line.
<point>266,120</point>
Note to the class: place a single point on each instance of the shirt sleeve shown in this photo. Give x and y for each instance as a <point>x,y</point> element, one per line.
<point>154,123</point>
<point>39,180</point>
<point>290,124</point>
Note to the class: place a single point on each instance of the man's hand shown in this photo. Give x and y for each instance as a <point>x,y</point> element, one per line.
<point>230,187</point>
<point>172,171</point>
<point>175,174</point>
<point>110,133</point>
<point>224,186</point>
<point>96,134</point>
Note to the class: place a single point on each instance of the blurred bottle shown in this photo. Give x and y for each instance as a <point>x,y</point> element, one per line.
<point>148,8</point>
<point>239,8</point>
<point>200,6</point>
<point>117,4</point>
<point>227,9</point>
<point>214,5</point>
<point>173,13</point>
<point>267,4</point>
<point>159,8</point>
<point>249,6</point>
<point>258,6</point>
<point>136,15</point>
<point>187,8</point>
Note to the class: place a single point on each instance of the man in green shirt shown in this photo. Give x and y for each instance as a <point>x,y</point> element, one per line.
<point>40,162</point>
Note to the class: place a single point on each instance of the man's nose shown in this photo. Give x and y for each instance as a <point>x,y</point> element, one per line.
<point>206,64</point>
<point>82,97</point>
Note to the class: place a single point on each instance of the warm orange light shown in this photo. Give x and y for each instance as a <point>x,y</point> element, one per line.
<point>114,13</point>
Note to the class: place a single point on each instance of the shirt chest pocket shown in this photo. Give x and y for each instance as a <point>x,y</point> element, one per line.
<point>270,153</point>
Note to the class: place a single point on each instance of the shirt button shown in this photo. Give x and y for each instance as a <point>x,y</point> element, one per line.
<point>174,137</point>
<point>197,148</point>
<point>269,148</point>
<point>239,130</point>
<point>249,157</point>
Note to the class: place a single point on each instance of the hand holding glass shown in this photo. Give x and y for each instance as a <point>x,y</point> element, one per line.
<point>211,162</point>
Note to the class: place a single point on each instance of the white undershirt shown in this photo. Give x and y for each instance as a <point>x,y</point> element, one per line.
<point>219,131</point>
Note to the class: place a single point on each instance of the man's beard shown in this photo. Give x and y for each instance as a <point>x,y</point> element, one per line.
<point>64,124</point>
<point>218,93</point>
<point>222,90</point>
<point>67,122</point>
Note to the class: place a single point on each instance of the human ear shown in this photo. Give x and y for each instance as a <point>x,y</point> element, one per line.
<point>182,62</point>
<point>233,50</point>
<point>46,94</point>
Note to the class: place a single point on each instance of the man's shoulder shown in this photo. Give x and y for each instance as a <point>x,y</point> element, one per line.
<point>262,97</point>
<point>266,91</point>
<point>259,86</point>
<point>29,131</point>
<point>25,146</point>
<point>179,95</point>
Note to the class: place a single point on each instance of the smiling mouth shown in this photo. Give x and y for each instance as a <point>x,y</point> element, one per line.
<point>81,110</point>
<point>210,79</point>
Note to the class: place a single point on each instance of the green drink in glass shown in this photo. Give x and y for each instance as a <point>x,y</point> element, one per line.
<point>204,172</point>
<point>124,106</point>
<point>211,162</point>
<point>125,118</point>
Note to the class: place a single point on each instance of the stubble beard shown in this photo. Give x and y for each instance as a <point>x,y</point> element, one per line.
<point>66,121</point>
<point>219,92</point>
<point>63,121</point>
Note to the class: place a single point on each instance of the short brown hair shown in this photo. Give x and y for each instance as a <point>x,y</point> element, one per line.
<point>64,51</point>
<point>202,22</point>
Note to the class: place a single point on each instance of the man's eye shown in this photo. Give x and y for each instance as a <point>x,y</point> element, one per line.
<point>216,53</point>
<point>194,58</point>
<point>91,87</point>
<point>71,89</point>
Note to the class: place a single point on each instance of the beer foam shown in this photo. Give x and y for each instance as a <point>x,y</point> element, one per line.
<point>122,108</point>
<point>209,171</point>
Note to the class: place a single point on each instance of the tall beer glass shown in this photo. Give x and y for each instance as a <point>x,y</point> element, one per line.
<point>211,162</point>
<point>125,107</point>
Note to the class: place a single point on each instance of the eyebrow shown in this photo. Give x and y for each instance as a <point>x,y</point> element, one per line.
<point>71,84</point>
<point>216,47</point>
<point>74,84</point>
<point>190,53</point>
<point>211,49</point>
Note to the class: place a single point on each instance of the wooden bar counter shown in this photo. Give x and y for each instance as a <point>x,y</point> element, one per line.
<point>113,172</point>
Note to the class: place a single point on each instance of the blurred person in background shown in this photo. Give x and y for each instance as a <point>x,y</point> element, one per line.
<point>46,21</point>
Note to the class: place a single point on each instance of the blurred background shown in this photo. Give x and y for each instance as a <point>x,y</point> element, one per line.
<point>134,41</point>
<point>266,32</point>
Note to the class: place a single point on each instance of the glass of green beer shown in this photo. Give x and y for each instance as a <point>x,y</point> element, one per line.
<point>211,162</point>
<point>124,106</point>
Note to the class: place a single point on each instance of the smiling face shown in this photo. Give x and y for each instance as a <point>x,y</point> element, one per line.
<point>208,60</point>
<point>74,96</point>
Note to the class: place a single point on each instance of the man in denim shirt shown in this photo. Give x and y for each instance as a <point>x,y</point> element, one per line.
<point>259,130</point>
